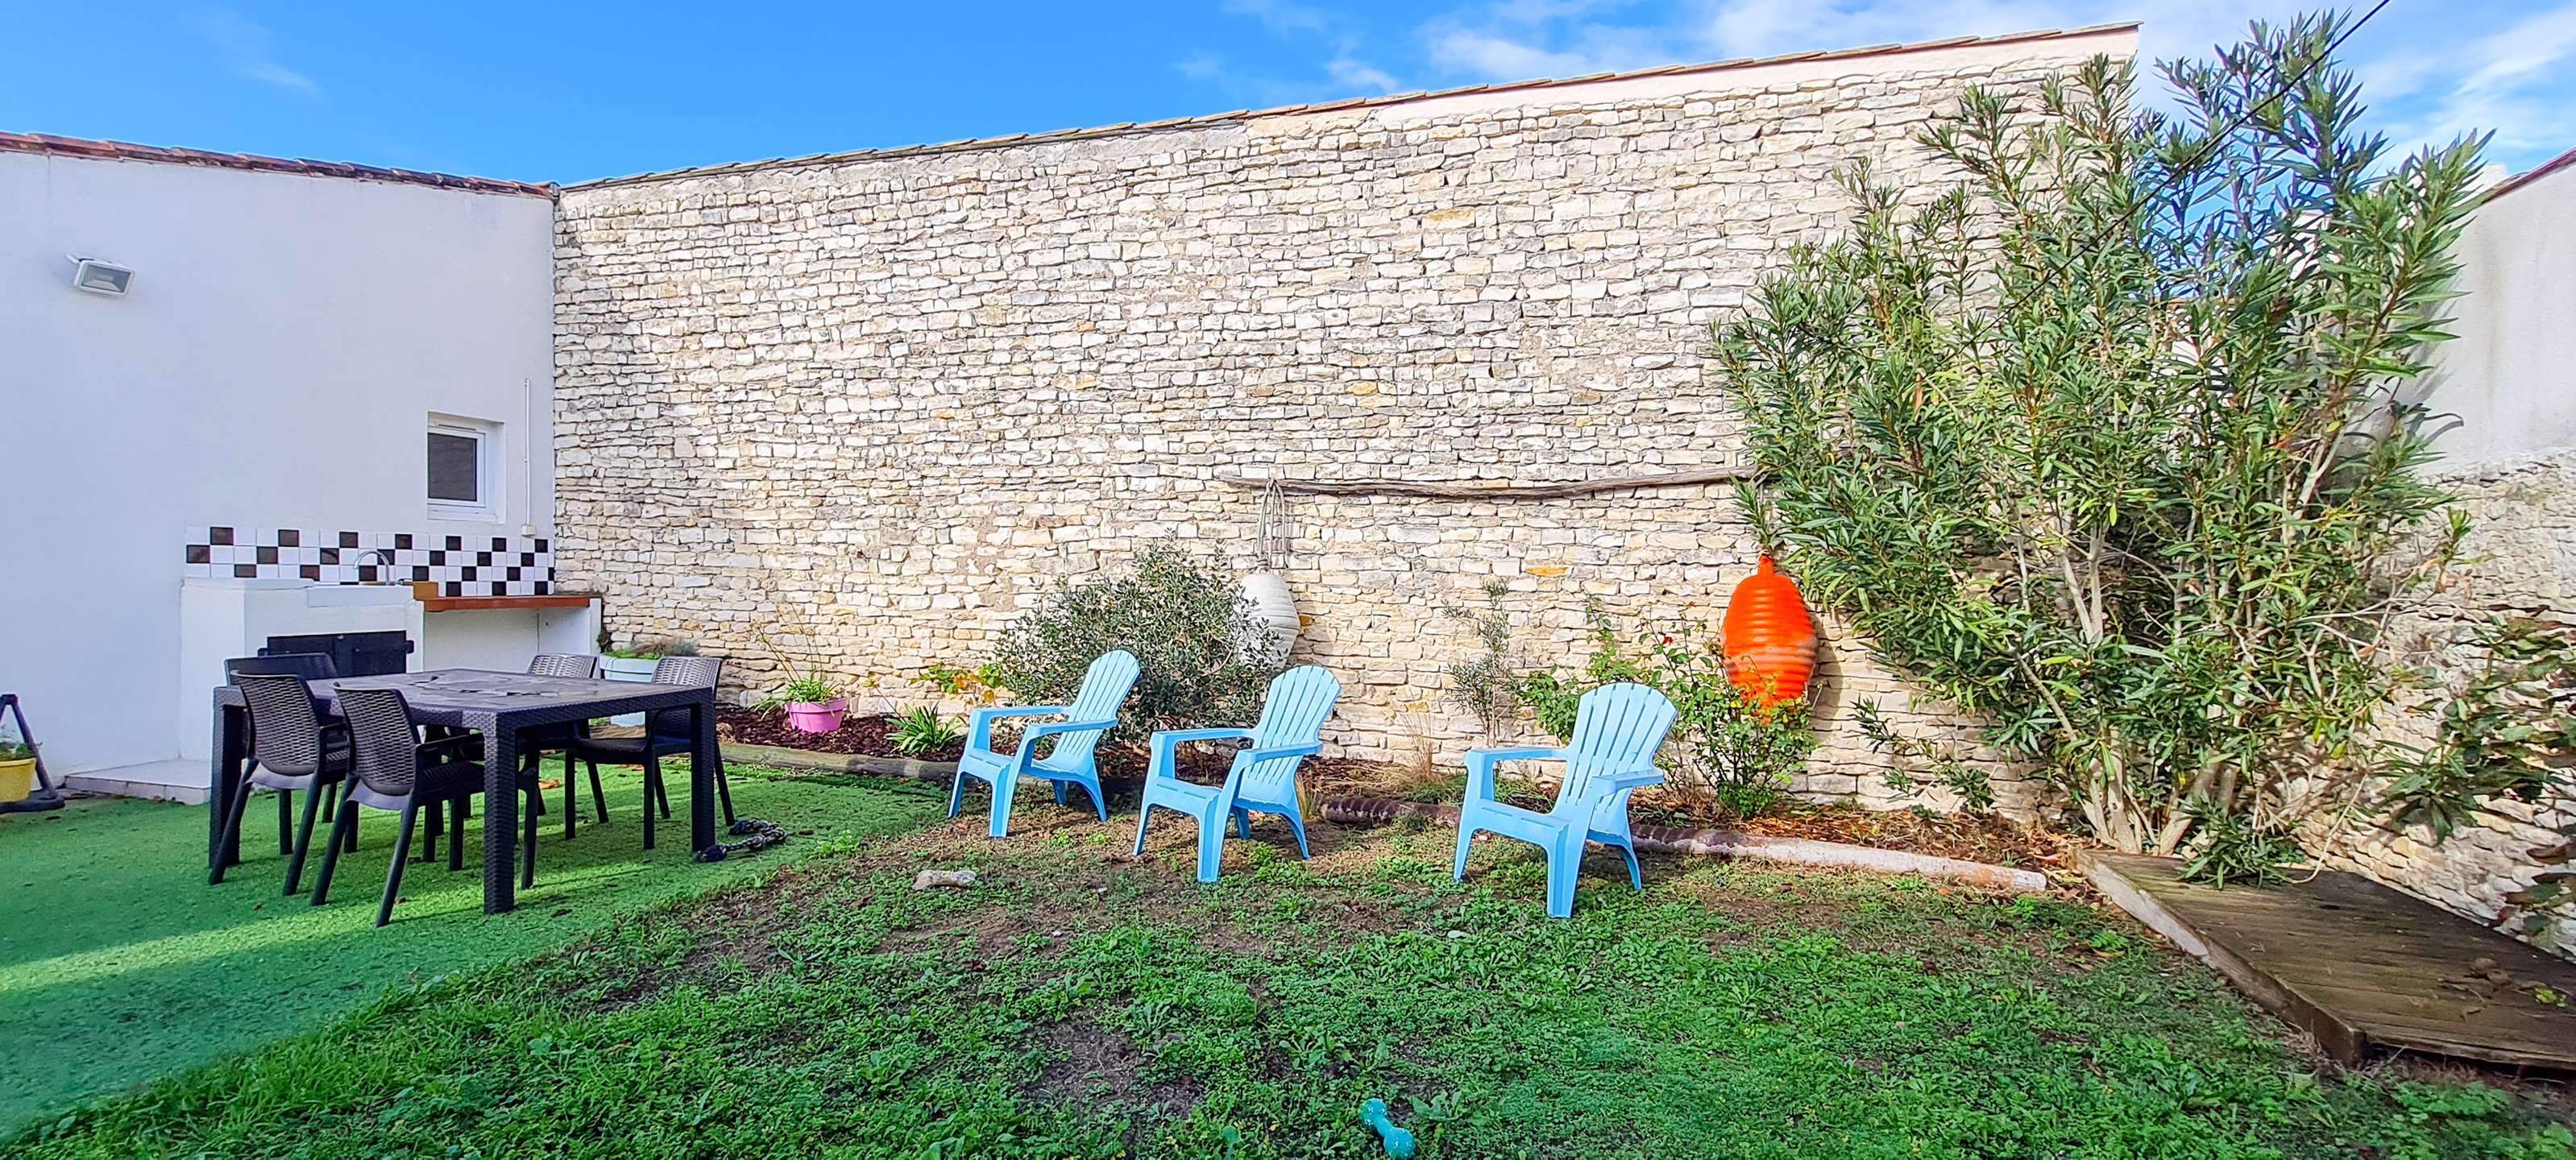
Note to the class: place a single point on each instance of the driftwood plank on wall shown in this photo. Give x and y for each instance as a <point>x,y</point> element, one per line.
<point>1469,489</point>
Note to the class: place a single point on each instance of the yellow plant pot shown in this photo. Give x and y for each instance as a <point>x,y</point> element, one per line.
<point>17,779</point>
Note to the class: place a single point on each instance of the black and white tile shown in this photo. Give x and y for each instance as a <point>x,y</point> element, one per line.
<point>459,565</point>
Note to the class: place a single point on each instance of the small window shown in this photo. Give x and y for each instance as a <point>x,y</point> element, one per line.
<point>463,474</point>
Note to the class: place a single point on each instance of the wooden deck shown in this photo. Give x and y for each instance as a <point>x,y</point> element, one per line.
<point>2360,966</point>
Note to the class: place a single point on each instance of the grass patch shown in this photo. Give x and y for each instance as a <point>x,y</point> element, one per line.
<point>1077,1003</point>
<point>118,963</point>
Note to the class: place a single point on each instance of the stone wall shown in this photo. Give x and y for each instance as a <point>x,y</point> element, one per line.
<point>877,404</point>
<point>2520,560</point>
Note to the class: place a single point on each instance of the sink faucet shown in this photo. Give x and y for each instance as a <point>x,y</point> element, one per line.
<point>384,564</point>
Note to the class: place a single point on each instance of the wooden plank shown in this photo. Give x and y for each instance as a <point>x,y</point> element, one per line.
<point>1469,489</point>
<point>483,603</point>
<point>2357,964</point>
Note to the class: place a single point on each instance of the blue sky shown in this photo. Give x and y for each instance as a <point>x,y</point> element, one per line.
<point>562,90</point>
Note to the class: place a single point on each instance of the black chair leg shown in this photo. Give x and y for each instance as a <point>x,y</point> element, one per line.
<point>350,808</point>
<point>724,793</point>
<point>528,841</point>
<point>572,798</point>
<point>347,824</point>
<point>402,854</point>
<point>598,797</point>
<point>285,822</point>
<point>652,789</point>
<point>437,822</point>
<point>232,834</point>
<point>456,838</point>
<point>313,799</point>
<point>327,802</point>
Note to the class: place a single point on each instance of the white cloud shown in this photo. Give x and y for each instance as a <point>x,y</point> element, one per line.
<point>2511,82</point>
<point>244,49</point>
<point>1281,17</point>
<point>1361,76</point>
<point>1338,37</point>
<point>1199,66</point>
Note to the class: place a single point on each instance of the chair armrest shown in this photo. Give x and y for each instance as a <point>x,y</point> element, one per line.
<point>1166,746</point>
<point>1481,763</point>
<point>1029,737</point>
<point>1633,779</point>
<point>1311,748</point>
<point>979,723</point>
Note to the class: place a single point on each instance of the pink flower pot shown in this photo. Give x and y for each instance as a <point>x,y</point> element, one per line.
<point>813,718</point>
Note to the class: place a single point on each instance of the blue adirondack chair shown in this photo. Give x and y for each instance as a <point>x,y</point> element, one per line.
<point>1617,729</point>
<point>1264,777</point>
<point>1094,711</point>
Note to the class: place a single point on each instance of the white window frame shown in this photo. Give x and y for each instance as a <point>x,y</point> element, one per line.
<point>489,451</point>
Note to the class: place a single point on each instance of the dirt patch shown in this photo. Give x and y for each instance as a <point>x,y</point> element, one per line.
<point>1973,837</point>
<point>1989,838</point>
<point>1089,1064</point>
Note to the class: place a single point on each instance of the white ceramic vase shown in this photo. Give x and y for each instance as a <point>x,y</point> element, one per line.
<point>1273,607</point>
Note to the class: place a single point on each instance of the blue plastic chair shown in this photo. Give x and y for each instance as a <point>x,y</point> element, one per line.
<point>1617,729</point>
<point>1264,776</point>
<point>1094,711</point>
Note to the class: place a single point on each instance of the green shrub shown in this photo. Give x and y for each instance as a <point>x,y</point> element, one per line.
<point>2108,438</point>
<point>1724,740</point>
<point>921,730</point>
<point>1202,659</point>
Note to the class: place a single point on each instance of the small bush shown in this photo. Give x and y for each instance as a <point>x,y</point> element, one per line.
<point>1724,740</point>
<point>1202,658</point>
<point>1482,683</point>
<point>921,730</point>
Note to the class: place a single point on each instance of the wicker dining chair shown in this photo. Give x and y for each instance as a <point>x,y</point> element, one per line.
<point>536,743</point>
<point>394,770</point>
<point>665,733</point>
<point>292,748</point>
<point>311,667</point>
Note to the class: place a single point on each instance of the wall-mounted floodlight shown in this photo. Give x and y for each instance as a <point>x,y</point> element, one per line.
<point>96,277</point>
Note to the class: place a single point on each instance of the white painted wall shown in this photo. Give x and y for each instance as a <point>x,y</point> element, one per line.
<point>503,639</point>
<point>284,343</point>
<point>2509,375</point>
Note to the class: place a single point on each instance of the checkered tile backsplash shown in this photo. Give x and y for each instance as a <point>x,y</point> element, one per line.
<point>459,565</point>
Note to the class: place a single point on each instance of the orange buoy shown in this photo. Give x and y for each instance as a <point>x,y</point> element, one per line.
<point>1770,641</point>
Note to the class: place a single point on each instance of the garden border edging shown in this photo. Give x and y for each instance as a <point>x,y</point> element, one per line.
<point>1378,811</point>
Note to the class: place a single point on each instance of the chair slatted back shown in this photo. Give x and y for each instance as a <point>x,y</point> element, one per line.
<point>1104,688</point>
<point>1299,702</point>
<point>384,744</point>
<point>309,666</point>
<point>575,666</point>
<point>687,672</point>
<point>285,726</point>
<point>1617,729</point>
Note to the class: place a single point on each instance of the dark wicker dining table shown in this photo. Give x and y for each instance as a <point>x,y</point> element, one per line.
<point>498,706</point>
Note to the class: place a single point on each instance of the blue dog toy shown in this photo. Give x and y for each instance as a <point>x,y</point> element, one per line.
<point>1399,1143</point>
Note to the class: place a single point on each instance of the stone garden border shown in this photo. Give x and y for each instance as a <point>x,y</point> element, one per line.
<point>1376,811</point>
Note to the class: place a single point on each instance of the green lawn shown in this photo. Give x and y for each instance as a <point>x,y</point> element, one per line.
<point>1075,1003</point>
<point>118,964</point>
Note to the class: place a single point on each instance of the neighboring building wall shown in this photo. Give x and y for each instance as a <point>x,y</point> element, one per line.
<point>878,405</point>
<point>286,339</point>
<point>2511,458</point>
